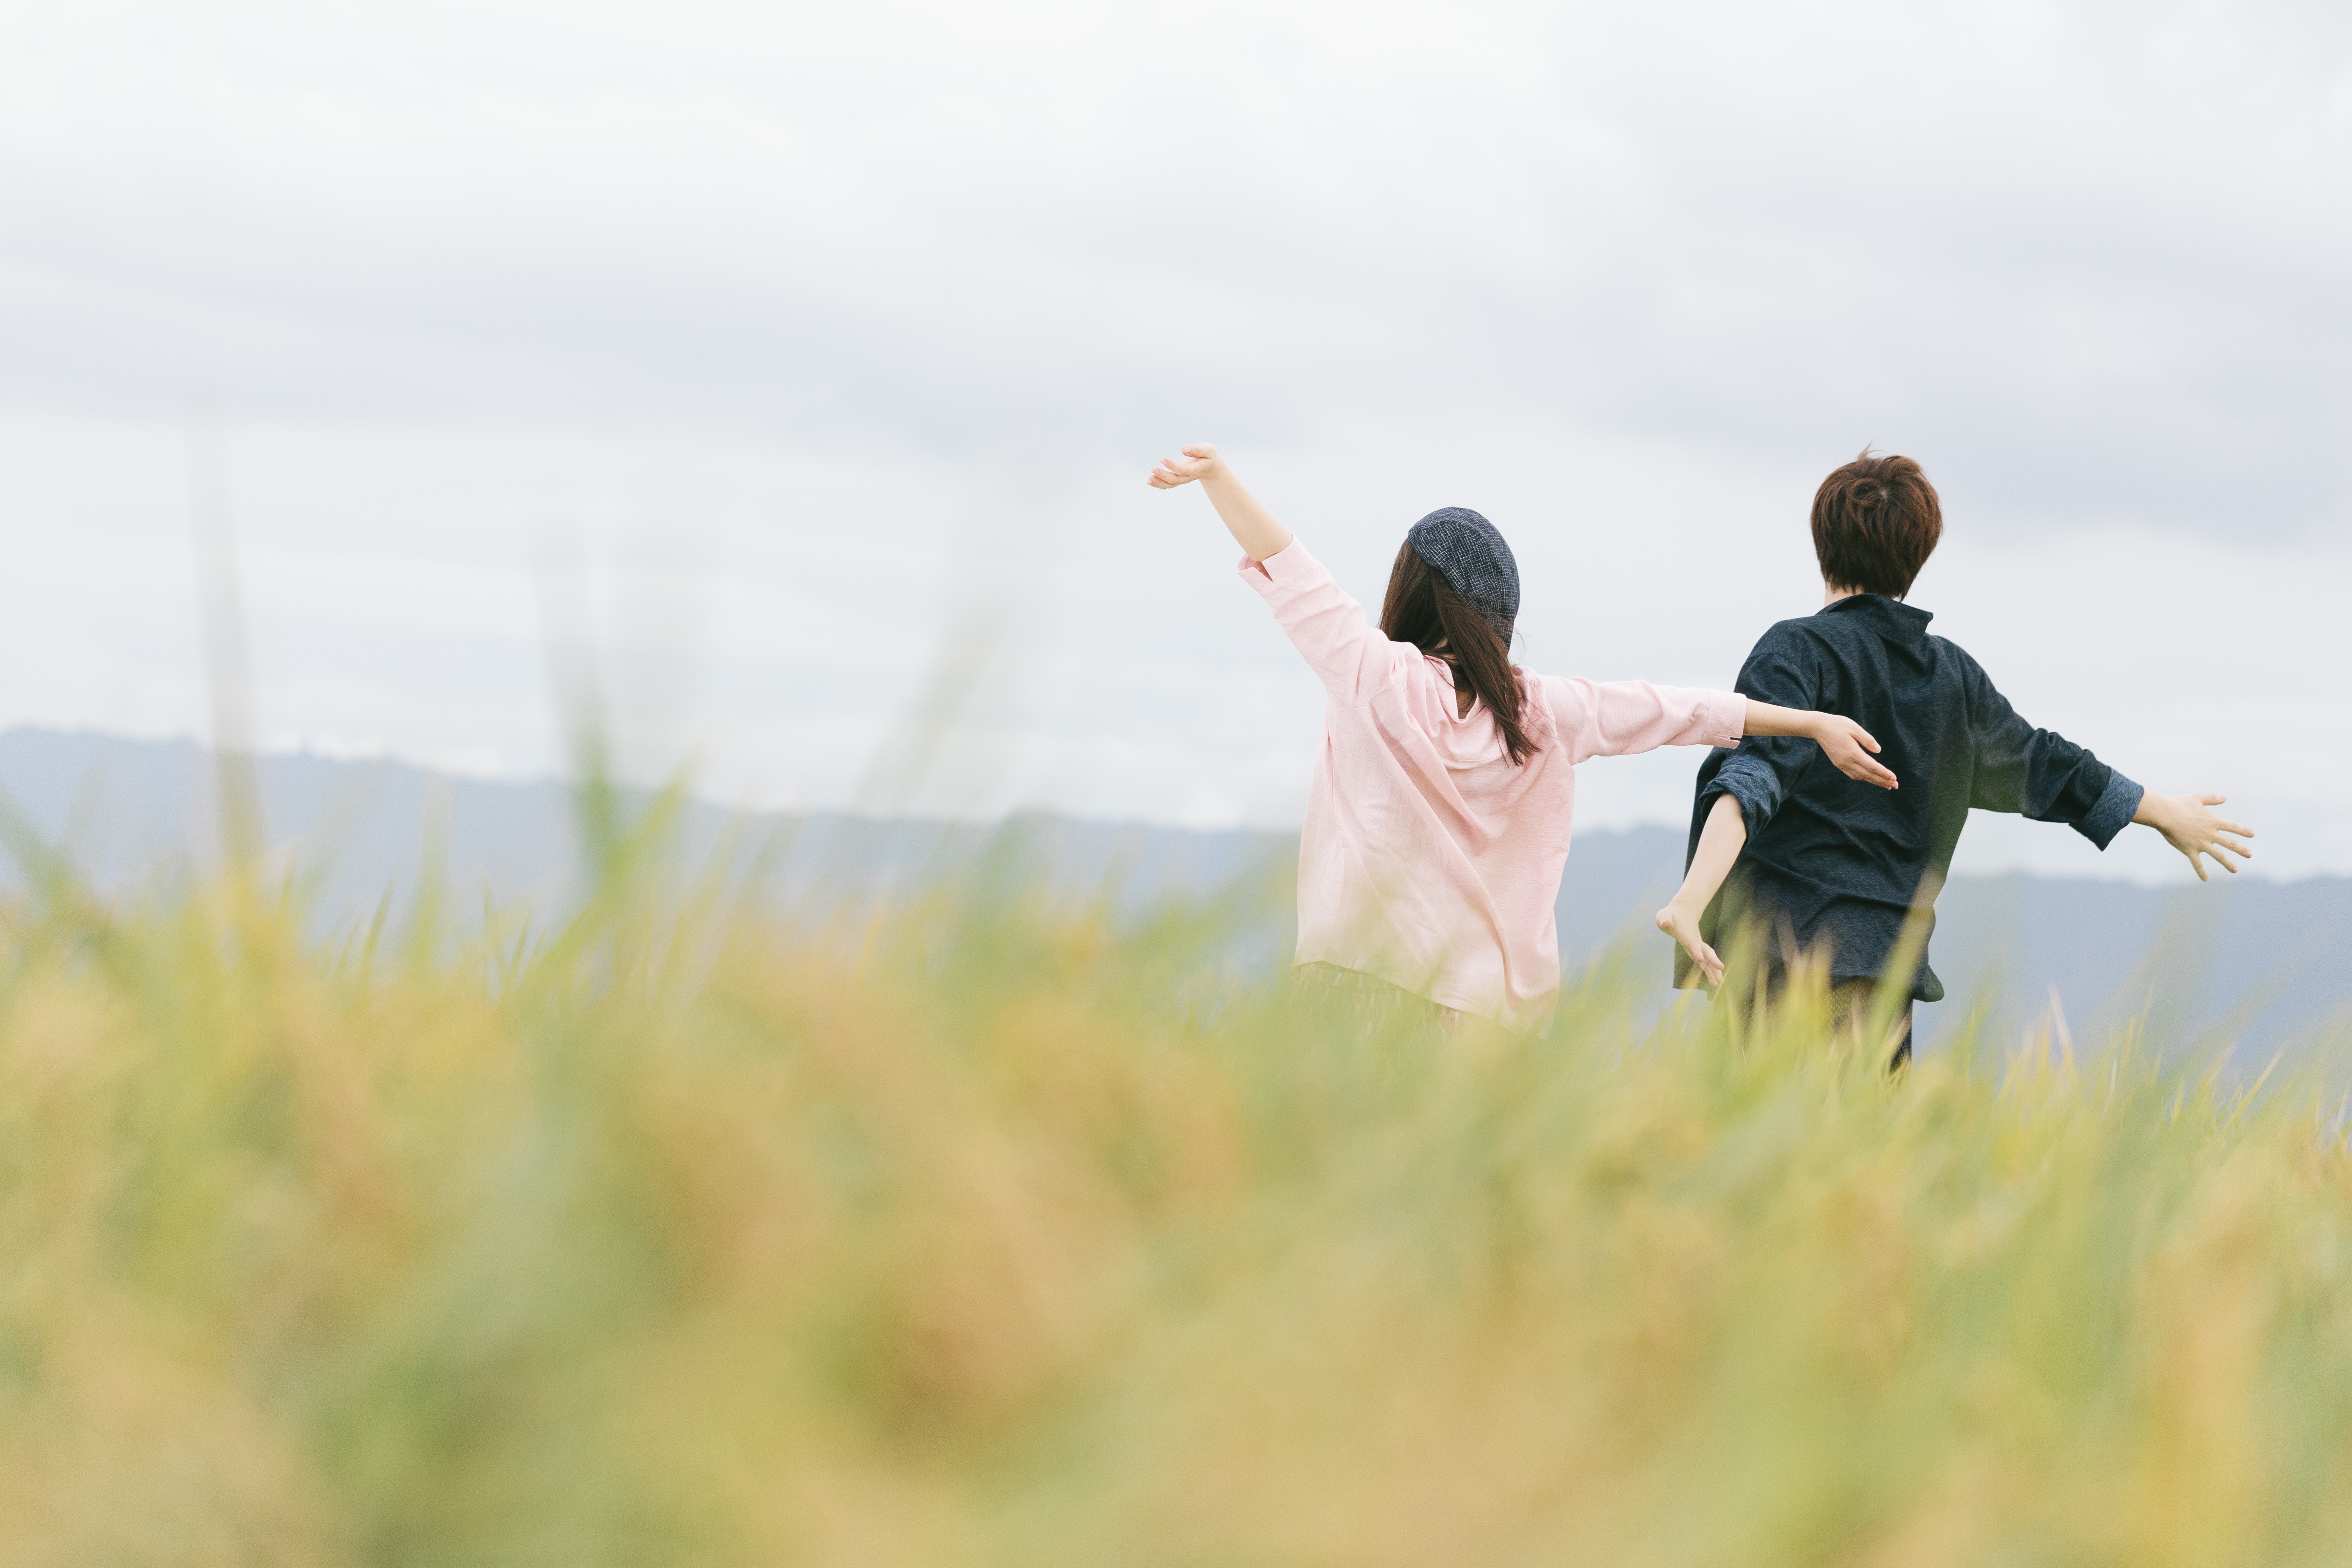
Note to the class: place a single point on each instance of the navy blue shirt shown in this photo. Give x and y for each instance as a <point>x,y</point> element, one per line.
<point>1830,859</point>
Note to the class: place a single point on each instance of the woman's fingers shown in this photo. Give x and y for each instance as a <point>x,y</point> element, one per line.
<point>1874,772</point>
<point>1195,461</point>
<point>1863,769</point>
<point>1850,752</point>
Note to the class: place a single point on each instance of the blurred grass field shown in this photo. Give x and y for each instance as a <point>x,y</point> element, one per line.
<point>977,1229</point>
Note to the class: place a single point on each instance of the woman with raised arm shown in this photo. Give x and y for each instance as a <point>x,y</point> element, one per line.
<point>1437,826</point>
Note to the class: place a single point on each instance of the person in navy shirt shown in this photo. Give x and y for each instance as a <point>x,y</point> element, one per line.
<point>1832,867</point>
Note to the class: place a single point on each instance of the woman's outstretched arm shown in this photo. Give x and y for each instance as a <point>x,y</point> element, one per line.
<point>1719,844</point>
<point>1323,623</point>
<point>1253,527</point>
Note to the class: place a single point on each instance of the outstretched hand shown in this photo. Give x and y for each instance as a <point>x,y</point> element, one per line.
<point>1850,748</point>
<point>1682,924</point>
<point>1197,463</point>
<point>2189,824</point>
<point>1254,528</point>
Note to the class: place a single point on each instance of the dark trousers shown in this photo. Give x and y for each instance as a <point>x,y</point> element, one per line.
<point>1849,1014</point>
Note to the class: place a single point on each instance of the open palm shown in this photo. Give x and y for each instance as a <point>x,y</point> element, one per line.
<point>1197,463</point>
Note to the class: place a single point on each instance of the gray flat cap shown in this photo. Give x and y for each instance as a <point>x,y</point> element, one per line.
<point>1469,553</point>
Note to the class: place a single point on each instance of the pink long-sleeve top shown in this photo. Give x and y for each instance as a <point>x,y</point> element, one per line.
<point>1427,858</point>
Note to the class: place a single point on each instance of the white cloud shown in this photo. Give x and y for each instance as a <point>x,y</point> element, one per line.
<point>834,286</point>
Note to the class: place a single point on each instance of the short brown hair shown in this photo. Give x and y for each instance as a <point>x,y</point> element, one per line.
<point>1875,522</point>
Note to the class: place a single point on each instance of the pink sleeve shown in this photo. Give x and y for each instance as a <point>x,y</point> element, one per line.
<point>1611,719</point>
<point>1326,625</point>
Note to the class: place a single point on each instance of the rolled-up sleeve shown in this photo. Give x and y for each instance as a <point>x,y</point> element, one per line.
<point>1618,718</point>
<point>1324,623</point>
<point>2118,804</point>
<point>1759,775</point>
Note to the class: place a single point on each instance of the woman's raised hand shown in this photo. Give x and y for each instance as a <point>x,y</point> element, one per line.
<point>1197,463</point>
<point>1253,527</point>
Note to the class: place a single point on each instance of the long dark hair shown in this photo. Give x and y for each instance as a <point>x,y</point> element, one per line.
<point>1423,609</point>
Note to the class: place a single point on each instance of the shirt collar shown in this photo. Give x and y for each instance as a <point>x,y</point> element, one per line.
<point>1890,618</point>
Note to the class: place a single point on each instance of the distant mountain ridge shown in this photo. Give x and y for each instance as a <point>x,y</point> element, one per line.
<point>2266,963</point>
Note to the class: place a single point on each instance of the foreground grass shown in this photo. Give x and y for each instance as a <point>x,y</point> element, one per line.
<point>979,1235</point>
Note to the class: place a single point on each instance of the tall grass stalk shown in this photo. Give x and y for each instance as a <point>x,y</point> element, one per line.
<point>984,1232</point>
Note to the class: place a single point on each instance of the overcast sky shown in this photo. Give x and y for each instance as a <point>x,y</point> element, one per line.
<point>812,358</point>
